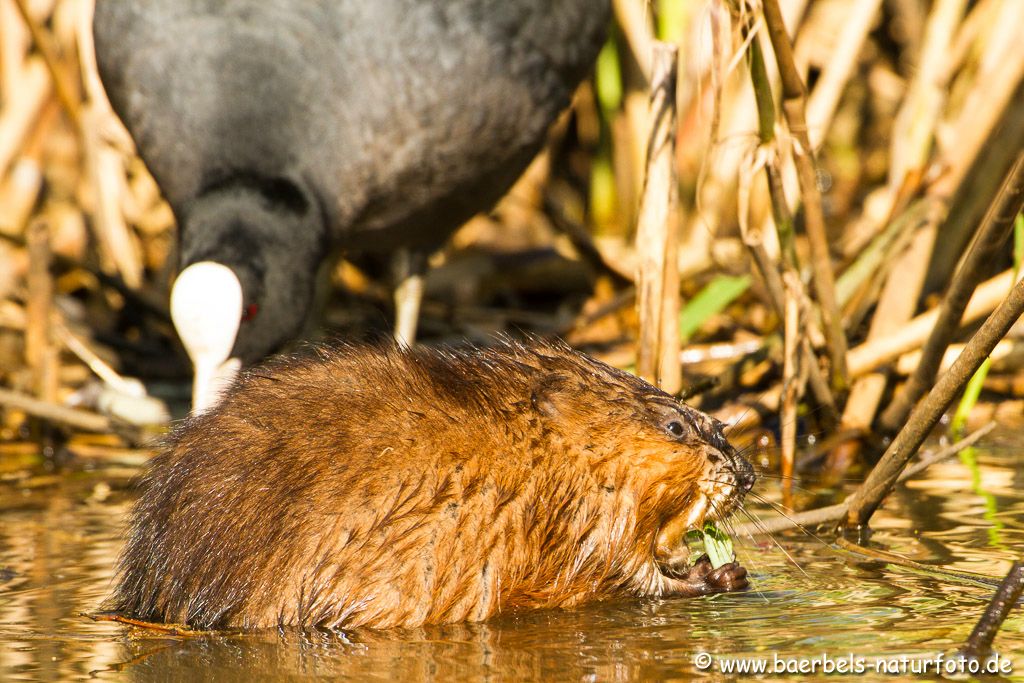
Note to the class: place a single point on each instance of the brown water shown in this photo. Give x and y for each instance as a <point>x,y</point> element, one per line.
<point>60,534</point>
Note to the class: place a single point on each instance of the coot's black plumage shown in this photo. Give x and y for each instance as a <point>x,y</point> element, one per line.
<point>280,130</point>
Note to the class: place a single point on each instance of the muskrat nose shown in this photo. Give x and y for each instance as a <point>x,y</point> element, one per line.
<point>745,476</point>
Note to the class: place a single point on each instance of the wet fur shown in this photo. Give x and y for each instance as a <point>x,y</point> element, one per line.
<point>375,486</point>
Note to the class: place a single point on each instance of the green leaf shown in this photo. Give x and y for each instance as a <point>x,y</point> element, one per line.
<point>672,20</point>
<point>714,298</point>
<point>608,77</point>
<point>971,393</point>
<point>717,545</point>
<point>1018,244</point>
<point>603,194</point>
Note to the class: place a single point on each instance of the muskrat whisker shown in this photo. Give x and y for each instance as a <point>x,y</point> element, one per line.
<point>727,483</point>
<point>756,521</point>
<point>783,512</point>
<point>783,478</point>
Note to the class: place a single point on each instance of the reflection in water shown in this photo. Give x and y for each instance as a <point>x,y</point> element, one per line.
<point>59,536</point>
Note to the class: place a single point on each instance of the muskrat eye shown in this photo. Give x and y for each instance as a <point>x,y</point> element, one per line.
<point>675,428</point>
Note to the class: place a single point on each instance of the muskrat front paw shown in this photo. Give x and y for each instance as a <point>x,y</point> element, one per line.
<point>702,579</point>
<point>729,577</point>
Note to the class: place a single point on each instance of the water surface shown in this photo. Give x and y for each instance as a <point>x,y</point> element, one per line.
<point>60,535</point>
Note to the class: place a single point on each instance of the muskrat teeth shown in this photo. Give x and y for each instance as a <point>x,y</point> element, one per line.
<point>696,517</point>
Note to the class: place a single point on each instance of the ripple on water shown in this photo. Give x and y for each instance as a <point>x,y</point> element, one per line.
<point>58,547</point>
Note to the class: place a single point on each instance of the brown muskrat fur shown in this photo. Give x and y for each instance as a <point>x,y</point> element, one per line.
<point>380,486</point>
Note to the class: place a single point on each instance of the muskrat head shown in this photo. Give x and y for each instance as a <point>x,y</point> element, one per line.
<point>664,468</point>
<point>723,479</point>
<point>685,472</point>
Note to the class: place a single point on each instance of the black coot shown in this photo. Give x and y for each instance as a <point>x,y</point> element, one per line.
<point>280,131</point>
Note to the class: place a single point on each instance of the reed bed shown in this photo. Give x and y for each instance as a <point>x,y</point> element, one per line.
<point>797,214</point>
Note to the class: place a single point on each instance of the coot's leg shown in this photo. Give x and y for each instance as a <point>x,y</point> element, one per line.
<point>409,269</point>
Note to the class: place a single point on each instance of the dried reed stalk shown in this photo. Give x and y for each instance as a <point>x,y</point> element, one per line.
<point>794,102</point>
<point>20,114</point>
<point>634,19</point>
<point>19,194</point>
<point>13,49</point>
<point>784,227</point>
<point>823,100</point>
<point>866,499</point>
<point>874,354</point>
<point>1008,356</point>
<point>657,240</point>
<point>792,377</point>
<point>914,127</point>
<point>44,45</point>
<point>40,349</point>
<point>106,176</point>
<point>992,235</point>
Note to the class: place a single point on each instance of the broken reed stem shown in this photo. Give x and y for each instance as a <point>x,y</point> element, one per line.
<point>656,239</point>
<point>866,499</point>
<point>781,214</point>
<point>875,353</point>
<point>894,306</point>
<point>409,267</point>
<point>794,102</point>
<point>18,117</point>
<point>45,47</point>
<point>792,385</point>
<point>91,359</point>
<point>633,18</point>
<point>783,219</point>
<point>994,230</point>
<point>53,412</point>
<point>979,643</point>
<point>841,63</point>
<point>834,513</point>
<point>40,350</point>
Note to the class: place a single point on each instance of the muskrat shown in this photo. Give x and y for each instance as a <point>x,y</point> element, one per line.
<point>383,486</point>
